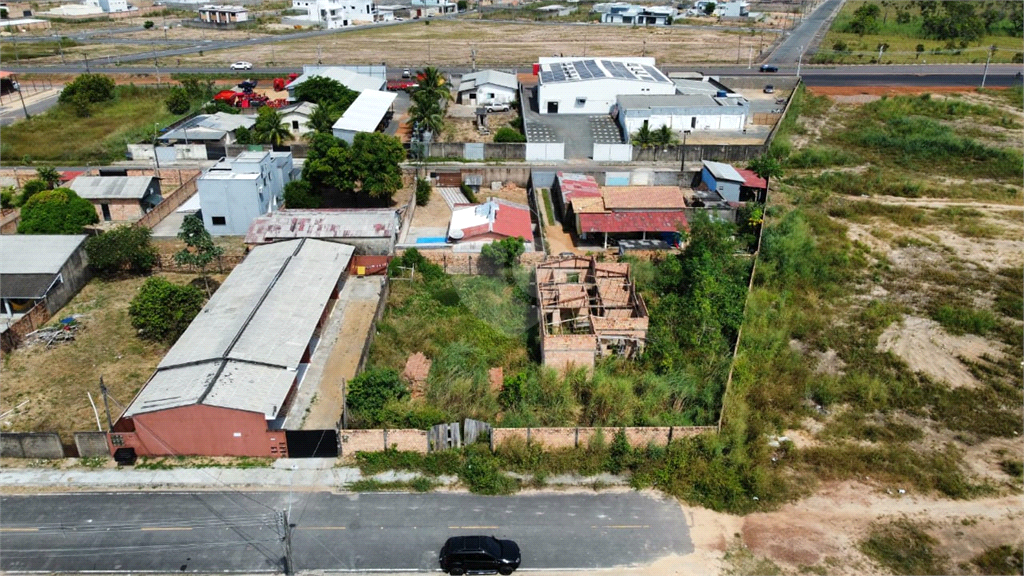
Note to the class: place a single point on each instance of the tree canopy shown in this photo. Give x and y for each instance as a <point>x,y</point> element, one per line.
<point>199,251</point>
<point>91,88</point>
<point>270,128</point>
<point>324,91</point>
<point>123,247</point>
<point>372,164</point>
<point>59,211</point>
<point>163,310</point>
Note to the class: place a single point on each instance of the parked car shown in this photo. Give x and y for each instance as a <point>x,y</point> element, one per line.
<point>479,554</point>
<point>497,107</point>
<point>769,68</point>
<point>406,73</point>
<point>769,89</point>
<point>241,65</point>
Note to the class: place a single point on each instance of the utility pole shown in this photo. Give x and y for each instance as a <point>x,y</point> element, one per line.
<point>739,46</point>
<point>472,54</point>
<point>682,166</point>
<point>60,46</point>
<point>282,520</point>
<point>155,156</point>
<point>319,58</point>
<point>86,56</point>
<point>643,51</point>
<point>799,61</point>
<point>984,75</point>
<point>25,109</point>
<point>750,58</point>
<point>106,404</point>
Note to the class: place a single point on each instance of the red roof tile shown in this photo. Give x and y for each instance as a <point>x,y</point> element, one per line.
<point>633,222</point>
<point>513,220</point>
<point>751,179</point>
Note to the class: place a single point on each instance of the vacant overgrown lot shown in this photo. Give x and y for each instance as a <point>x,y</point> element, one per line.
<point>61,136</point>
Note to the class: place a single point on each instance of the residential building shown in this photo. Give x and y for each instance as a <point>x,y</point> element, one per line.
<point>588,310</point>
<point>119,198</point>
<point>754,188</point>
<point>337,13</point>
<point>223,15</point>
<point>683,112</point>
<point>626,13</point>
<point>493,220</point>
<point>428,8</point>
<point>370,112</point>
<point>569,185</point>
<point>732,9</point>
<point>225,387</point>
<point>555,10</point>
<point>296,117</point>
<point>723,179</point>
<point>40,268</point>
<point>109,5</point>
<point>591,86</point>
<point>235,192</point>
<point>488,87</point>
<point>629,212</point>
<point>356,78</point>
<point>218,128</point>
<point>371,231</point>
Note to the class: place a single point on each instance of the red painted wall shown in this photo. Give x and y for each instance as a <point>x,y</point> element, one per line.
<point>200,430</point>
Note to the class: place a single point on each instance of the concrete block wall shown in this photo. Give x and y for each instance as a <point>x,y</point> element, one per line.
<point>31,445</point>
<point>91,444</point>
<point>464,263</point>
<point>560,438</point>
<point>353,441</point>
<point>408,440</point>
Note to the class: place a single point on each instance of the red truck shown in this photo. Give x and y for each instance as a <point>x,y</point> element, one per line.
<point>396,85</point>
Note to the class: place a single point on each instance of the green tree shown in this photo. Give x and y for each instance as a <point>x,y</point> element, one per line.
<point>30,189</point>
<point>376,159</point>
<point>504,254</point>
<point>270,128</point>
<point>299,194</point>
<point>178,101</point>
<point>49,175</point>
<point>865,19</point>
<point>163,310</point>
<point>664,136</point>
<point>324,91</point>
<point>508,134</point>
<point>7,197</point>
<point>766,167</point>
<point>709,8</point>
<point>328,164</point>
<point>123,247</point>
<point>199,251</point>
<point>59,211</point>
<point>92,88</point>
<point>245,136</point>
<point>430,98</point>
<point>369,392</point>
<point>423,189</point>
<point>148,24</point>
<point>643,138</point>
<point>955,22</point>
<point>322,118</point>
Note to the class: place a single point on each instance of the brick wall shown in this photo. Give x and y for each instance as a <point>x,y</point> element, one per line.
<point>182,192</point>
<point>353,441</point>
<point>408,440</point>
<point>36,317</point>
<point>467,263</point>
<point>120,210</point>
<point>9,219</point>
<point>558,438</point>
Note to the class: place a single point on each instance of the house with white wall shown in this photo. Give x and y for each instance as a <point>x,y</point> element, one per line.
<point>234,192</point>
<point>733,9</point>
<point>487,87</point>
<point>591,86</point>
<point>332,14</point>
<point>296,117</point>
<point>626,13</point>
<point>683,112</point>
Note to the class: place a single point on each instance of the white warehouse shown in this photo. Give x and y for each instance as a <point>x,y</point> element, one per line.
<point>591,86</point>
<point>683,112</point>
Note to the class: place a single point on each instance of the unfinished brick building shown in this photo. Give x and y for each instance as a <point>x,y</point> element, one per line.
<point>588,309</point>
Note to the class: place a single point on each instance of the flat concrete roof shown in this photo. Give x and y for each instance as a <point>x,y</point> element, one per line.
<point>111,187</point>
<point>36,254</point>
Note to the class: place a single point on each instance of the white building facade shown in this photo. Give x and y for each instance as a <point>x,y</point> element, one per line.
<point>233,193</point>
<point>488,87</point>
<point>683,112</point>
<point>338,13</point>
<point>591,86</point>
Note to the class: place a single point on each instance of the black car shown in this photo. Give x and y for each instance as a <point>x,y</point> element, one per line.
<point>769,68</point>
<point>479,555</point>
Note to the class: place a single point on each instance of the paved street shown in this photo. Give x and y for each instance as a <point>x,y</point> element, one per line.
<point>238,531</point>
<point>800,38</point>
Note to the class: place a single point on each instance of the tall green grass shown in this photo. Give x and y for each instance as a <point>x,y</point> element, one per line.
<point>904,548</point>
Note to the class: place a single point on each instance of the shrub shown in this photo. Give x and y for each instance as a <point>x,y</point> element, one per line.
<point>468,193</point>
<point>422,191</point>
<point>148,24</point>
<point>299,194</point>
<point>504,253</point>
<point>178,102</point>
<point>1003,559</point>
<point>958,320</point>
<point>123,247</point>
<point>31,188</point>
<point>369,392</point>
<point>163,310</point>
<point>58,211</point>
<point>90,88</point>
<point>480,473</point>
<point>904,548</point>
<point>508,134</point>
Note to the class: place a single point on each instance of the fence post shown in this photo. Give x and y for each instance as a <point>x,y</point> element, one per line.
<point>576,441</point>
<point>671,429</point>
<point>527,436</point>
<point>385,439</point>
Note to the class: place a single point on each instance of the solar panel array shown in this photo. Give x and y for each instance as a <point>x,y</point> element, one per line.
<point>590,69</point>
<point>617,69</point>
<point>655,73</point>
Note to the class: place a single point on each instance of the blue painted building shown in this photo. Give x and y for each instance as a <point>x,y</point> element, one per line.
<point>722,178</point>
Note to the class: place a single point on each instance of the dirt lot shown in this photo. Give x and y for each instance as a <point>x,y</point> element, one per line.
<point>54,381</point>
<point>444,42</point>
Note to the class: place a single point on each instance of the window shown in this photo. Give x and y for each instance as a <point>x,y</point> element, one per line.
<point>581,101</point>
<point>295,124</point>
<point>219,221</point>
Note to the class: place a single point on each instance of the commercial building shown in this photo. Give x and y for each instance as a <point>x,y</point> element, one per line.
<point>40,268</point>
<point>371,231</point>
<point>626,13</point>
<point>683,112</point>
<point>223,15</point>
<point>488,87</point>
<point>371,111</point>
<point>337,13</point>
<point>591,86</point>
<point>357,78</point>
<point>233,193</point>
<point>119,198</point>
<point>588,310</point>
<point>493,220</point>
<point>225,386</point>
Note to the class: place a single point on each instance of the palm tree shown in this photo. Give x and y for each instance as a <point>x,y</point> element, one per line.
<point>269,128</point>
<point>428,115</point>
<point>322,118</point>
<point>49,175</point>
<point>431,80</point>
<point>643,138</point>
<point>664,137</point>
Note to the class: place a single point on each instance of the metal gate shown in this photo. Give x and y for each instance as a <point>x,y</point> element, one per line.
<point>312,443</point>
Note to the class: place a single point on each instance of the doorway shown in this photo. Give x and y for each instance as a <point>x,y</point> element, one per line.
<point>553,107</point>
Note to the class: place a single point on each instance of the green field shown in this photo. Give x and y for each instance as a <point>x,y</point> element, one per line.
<point>59,136</point>
<point>908,42</point>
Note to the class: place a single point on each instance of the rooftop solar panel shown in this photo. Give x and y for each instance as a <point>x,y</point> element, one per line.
<point>658,76</point>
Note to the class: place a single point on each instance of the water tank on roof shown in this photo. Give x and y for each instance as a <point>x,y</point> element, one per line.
<point>722,93</point>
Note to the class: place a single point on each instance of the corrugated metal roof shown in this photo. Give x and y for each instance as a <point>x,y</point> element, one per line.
<point>112,187</point>
<point>723,171</point>
<point>348,78</point>
<point>643,197</point>
<point>496,77</point>
<point>626,222</point>
<point>751,179</point>
<point>37,254</point>
<point>572,185</point>
<point>366,111</point>
<point>495,216</point>
<point>323,223</point>
<point>243,348</point>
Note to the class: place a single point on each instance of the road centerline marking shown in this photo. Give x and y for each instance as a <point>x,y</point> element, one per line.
<point>165,528</point>
<point>321,527</point>
<point>19,529</point>
<point>472,527</point>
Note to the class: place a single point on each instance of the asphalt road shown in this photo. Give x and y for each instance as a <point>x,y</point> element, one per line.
<point>799,39</point>
<point>15,112</point>
<point>239,532</point>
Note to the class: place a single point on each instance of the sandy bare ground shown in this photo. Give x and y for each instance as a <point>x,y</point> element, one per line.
<point>444,42</point>
<point>926,347</point>
<point>435,214</point>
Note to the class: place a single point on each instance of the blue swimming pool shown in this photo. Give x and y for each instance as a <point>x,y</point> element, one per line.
<point>432,240</point>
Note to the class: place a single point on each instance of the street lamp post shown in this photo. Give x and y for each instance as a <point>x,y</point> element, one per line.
<point>86,56</point>
<point>23,107</point>
<point>800,61</point>
<point>155,156</point>
<point>60,46</point>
